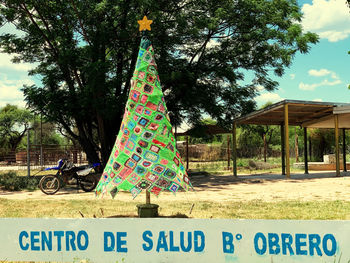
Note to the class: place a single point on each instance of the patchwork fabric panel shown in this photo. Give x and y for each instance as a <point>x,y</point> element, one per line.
<point>144,156</point>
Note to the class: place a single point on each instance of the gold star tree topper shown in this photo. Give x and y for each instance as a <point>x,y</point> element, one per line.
<point>145,24</point>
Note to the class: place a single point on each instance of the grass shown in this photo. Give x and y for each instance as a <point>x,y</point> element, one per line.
<point>320,210</point>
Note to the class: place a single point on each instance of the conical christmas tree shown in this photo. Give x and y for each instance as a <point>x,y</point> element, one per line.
<point>145,154</point>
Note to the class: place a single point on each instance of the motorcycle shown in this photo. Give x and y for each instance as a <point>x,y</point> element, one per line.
<point>66,173</point>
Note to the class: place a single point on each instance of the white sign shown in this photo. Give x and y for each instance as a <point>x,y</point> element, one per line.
<point>174,240</point>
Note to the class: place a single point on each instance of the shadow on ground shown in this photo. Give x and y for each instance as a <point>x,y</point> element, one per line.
<point>204,180</point>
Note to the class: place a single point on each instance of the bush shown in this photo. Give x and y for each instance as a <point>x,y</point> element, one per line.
<point>12,182</point>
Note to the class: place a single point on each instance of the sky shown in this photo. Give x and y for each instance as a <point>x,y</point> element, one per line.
<point>323,74</point>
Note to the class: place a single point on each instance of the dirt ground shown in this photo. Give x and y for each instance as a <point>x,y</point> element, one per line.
<point>265,187</point>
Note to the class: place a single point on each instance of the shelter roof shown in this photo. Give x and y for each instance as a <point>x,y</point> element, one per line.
<point>210,129</point>
<point>300,113</point>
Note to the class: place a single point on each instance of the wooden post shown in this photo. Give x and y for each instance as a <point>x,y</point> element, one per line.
<point>234,149</point>
<point>28,153</point>
<point>187,157</point>
<point>305,152</point>
<point>337,156</point>
<point>296,146</point>
<point>344,150</point>
<point>310,149</point>
<point>228,152</point>
<point>283,150</point>
<point>148,197</point>
<point>286,139</point>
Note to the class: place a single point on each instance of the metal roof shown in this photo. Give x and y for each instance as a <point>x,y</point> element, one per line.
<point>301,113</point>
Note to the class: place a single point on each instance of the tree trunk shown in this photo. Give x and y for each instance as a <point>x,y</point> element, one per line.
<point>296,146</point>
<point>265,148</point>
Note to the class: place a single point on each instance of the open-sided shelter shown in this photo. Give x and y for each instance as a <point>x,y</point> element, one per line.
<point>307,114</point>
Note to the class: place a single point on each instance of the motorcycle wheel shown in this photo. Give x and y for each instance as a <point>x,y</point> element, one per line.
<point>49,184</point>
<point>88,183</point>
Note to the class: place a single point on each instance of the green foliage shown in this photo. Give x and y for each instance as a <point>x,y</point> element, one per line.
<point>12,182</point>
<point>14,123</point>
<point>86,53</point>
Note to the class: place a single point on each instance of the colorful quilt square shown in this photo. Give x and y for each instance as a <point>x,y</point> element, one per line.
<point>186,179</point>
<point>155,190</point>
<point>146,164</point>
<point>137,130</point>
<point>170,147</point>
<point>130,163</point>
<point>116,153</point>
<point>143,121</point>
<point>135,192</point>
<point>148,88</point>
<point>125,172</point>
<point>147,135</point>
<point>143,143</point>
<point>158,169</point>
<point>150,156</point>
<point>136,118</point>
<point>116,166</point>
<point>144,184</point>
<point>139,150</point>
<point>153,126</point>
<point>117,181</point>
<point>150,78</point>
<point>126,132</point>
<point>151,177</point>
<point>131,125</point>
<point>144,99</point>
<point>104,176</point>
<point>177,154</point>
<point>135,157</point>
<point>138,84</point>
<point>164,161</point>
<point>147,57</point>
<point>133,137</point>
<point>174,187</point>
<point>134,179</point>
<point>170,174</point>
<point>140,170</point>
<point>135,95</point>
<point>154,148</point>
<point>176,161</point>
<point>159,117</point>
<point>148,112</point>
<point>161,107</point>
<point>152,69</point>
<point>141,75</point>
<point>163,183</point>
<point>130,145</point>
<point>151,105</point>
<point>139,109</point>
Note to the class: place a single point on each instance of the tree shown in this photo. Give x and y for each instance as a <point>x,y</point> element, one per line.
<point>86,53</point>
<point>14,123</point>
<point>265,132</point>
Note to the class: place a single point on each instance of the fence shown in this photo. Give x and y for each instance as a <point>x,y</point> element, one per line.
<point>47,155</point>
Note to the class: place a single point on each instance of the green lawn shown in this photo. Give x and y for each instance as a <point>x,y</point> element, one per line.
<point>323,210</point>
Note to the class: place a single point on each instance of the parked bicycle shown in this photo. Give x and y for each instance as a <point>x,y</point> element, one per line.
<point>66,174</point>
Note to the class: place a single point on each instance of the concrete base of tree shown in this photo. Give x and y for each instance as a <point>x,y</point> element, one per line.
<point>147,210</point>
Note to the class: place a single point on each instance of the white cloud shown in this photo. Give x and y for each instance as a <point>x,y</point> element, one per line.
<point>317,100</point>
<point>259,88</point>
<point>10,91</point>
<point>313,86</point>
<point>268,97</point>
<point>319,73</point>
<point>292,76</point>
<point>6,63</point>
<point>328,18</point>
